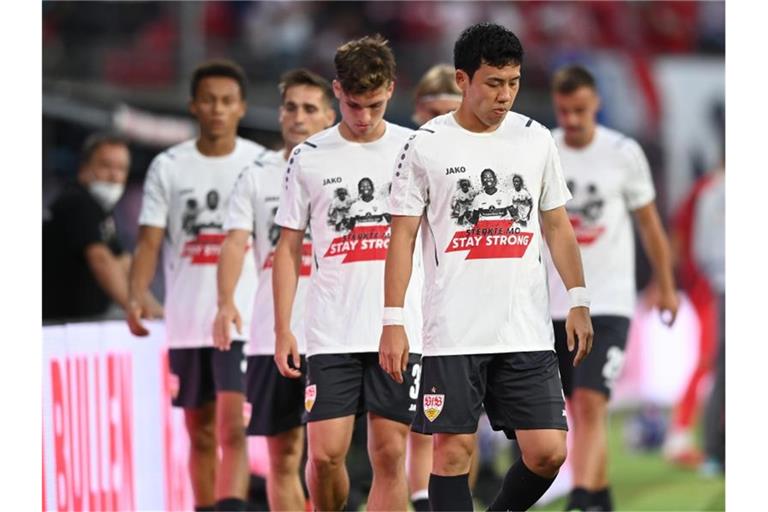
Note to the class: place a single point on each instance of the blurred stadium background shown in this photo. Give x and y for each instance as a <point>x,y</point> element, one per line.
<point>125,66</point>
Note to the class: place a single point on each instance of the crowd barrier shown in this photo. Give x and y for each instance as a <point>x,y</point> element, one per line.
<point>111,440</point>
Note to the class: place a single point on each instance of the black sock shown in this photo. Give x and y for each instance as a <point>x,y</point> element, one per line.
<point>231,505</point>
<point>521,488</point>
<point>601,500</point>
<point>205,508</point>
<point>449,492</point>
<point>421,505</point>
<point>579,499</point>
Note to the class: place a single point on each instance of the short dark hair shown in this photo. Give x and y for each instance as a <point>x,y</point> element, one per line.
<point>219,67</point>
<point>303,76</point>
<point>568,79</point>
<point>96,140</point>
<point>365,64</point>
<point>486,43</point>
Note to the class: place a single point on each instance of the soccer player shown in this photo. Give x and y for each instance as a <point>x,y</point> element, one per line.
<point>611,183</point>
<point>488,336</point>
<point>277,402</point>
<point>345,300</point>
<point>210,383</point>
<point>436,93</point>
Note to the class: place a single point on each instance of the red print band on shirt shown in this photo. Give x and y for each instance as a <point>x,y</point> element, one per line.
<point>491,239</point>
<point>363,243</point>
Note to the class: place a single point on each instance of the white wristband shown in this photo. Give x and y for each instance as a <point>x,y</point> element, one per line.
<point>393,316</point>
<point>579,297</point>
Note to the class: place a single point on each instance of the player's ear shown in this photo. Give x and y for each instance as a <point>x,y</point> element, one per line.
<point>462,80</point>
<point>337,90</point>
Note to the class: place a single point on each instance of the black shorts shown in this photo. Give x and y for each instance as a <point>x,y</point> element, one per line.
<point>199,373</point>
<point>603,365</point>
<point>277,402</point>
<point>520,390</point>
<point>341,385</point>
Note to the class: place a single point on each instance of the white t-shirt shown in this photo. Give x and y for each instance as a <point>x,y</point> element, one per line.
<point>253,207</point>
<point>345,301</point>
<point>608,179</point>
<point>185,193</point>
<point>485,284</point>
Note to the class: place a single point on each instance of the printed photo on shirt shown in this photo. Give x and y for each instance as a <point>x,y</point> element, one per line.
<point>586,211</point>
<point>367,208</point>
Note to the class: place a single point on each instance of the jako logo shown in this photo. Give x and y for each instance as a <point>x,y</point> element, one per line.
<point>331,181</point>
<point>455,170</point>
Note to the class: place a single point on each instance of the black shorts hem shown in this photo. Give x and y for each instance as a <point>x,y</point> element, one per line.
<point>586,385</point>
<point>469,429</point>
<point>193,404</point>
<point>275,430</point>
<point>393,417</point>
<point>333,415</point>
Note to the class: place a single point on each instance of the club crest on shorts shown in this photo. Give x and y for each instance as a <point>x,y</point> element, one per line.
<point>247,409</point>
<point>310,393</point>
<point>173,385</point>
<point>433,406</point>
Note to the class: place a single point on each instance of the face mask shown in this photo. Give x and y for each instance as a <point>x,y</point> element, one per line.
<point>106,193</point>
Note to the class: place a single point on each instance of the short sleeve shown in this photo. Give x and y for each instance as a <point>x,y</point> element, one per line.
<point>638,187</point>
<point>80,221</point>
<point>241,211</point>
<point>554,191</point>
<point>410,193</point>
<point>157,195</point>
<point>293,212</point>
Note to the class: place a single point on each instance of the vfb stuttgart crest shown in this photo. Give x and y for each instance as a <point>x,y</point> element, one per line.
<point>433,406</point>
<point>310,392</point>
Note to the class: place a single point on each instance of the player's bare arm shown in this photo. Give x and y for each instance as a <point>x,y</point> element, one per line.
<point>227,274</point>
<point>562,244</point>
<point>393,346</point>
<point>657,250</point>
<point>142,271</point>
<point>285,279</point>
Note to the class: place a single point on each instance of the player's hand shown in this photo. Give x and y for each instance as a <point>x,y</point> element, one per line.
<point>578,327</point>
<point>133,315</point>
<point>287,351</point>
<point>393,351</point>
<point>152,307</point>
<point>225,317</point>
<point>667,303</point>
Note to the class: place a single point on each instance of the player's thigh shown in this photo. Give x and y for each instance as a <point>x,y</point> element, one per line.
<point>386,398</point>
<point>277,402</point>
<point>600,369</point>
<point>525,392</point>
<point>451,394</point>
<point>387,440</point>
<point>286,449</point>
<point>191,375</point>
<point>328,440</point>
<point>334,387</point>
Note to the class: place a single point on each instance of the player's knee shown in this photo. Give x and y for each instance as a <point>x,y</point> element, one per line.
<point>286,459</point>
<point>326,462</point>
<point>452,458</point>
<point>547,461</point>
<point>388,457</point>
<point>202,439</point>
<point>231,435</point>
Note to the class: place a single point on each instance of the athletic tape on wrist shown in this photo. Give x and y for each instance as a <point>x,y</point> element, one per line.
<point>579,297</point>
<point>393,316</point>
